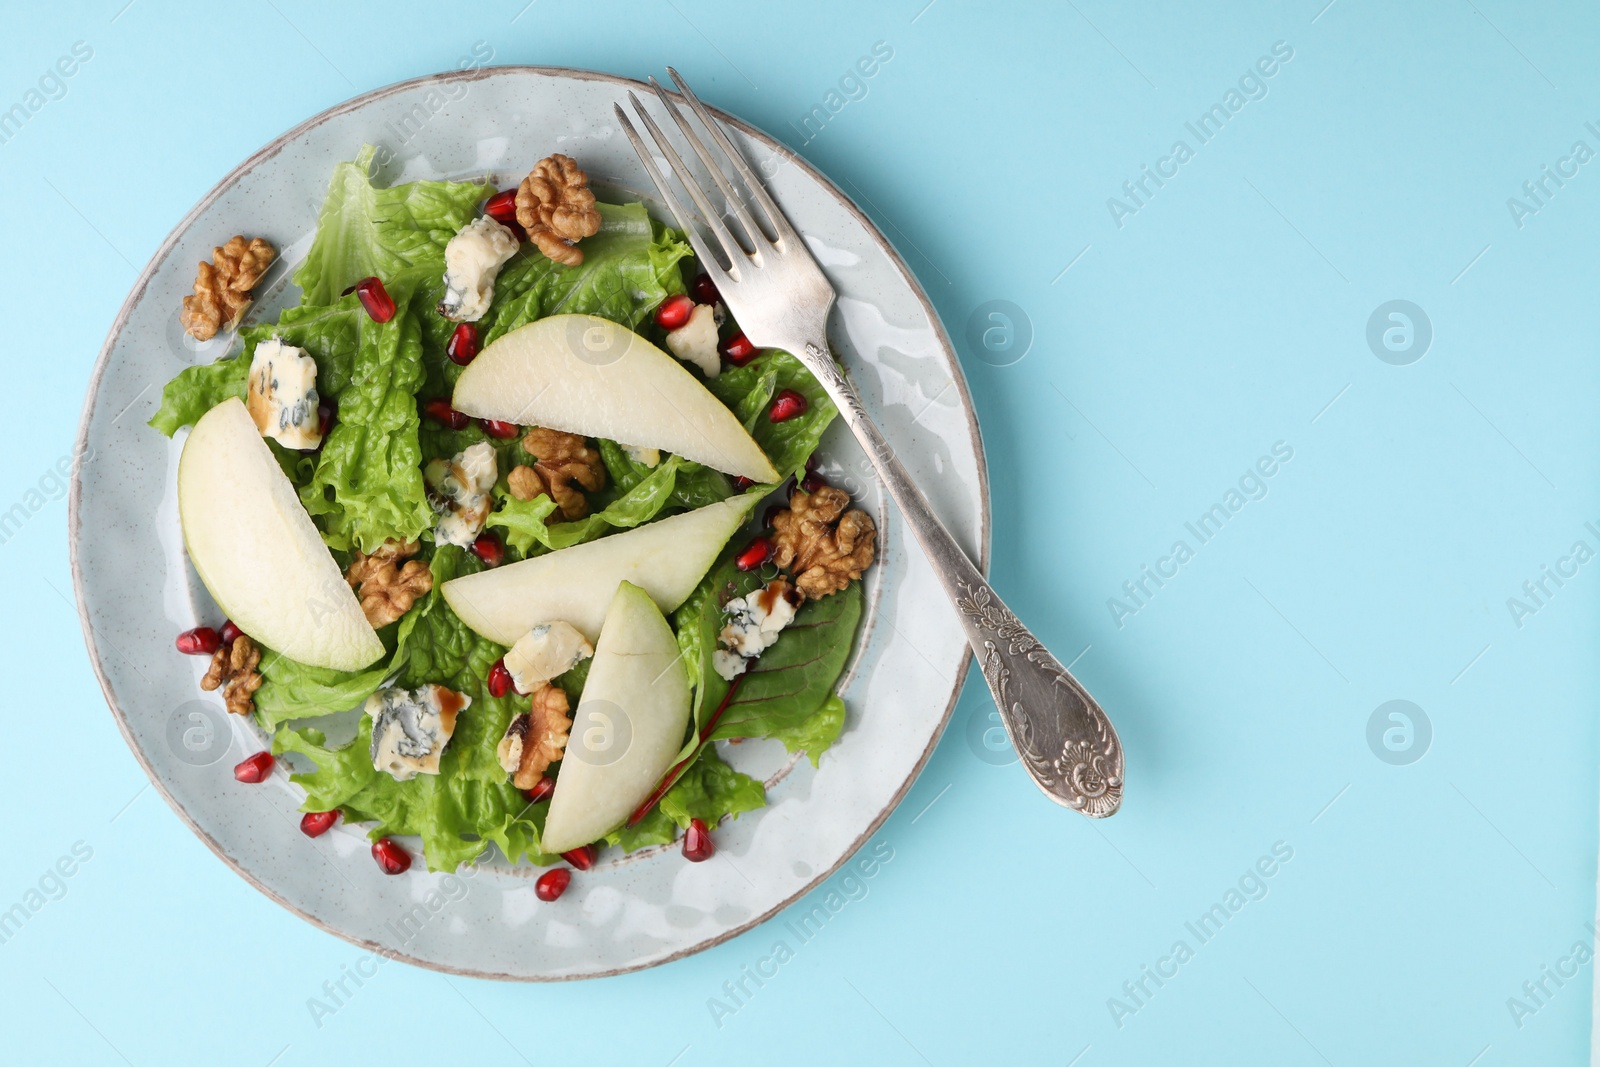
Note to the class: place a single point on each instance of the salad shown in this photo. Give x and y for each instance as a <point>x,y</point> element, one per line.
<point>511,509</point>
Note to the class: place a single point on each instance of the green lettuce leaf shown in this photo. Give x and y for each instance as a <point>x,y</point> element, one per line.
<point>750,388</point>
<point>196,390</point>
<point>708,790</point>
<point>363,230</point>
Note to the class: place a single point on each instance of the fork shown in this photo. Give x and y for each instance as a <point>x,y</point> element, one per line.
<point>781,299</point>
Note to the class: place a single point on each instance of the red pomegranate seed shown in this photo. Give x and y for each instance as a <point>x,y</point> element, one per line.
<point>496,428</point>
<point>674,312</point>
<point>326,410</point>
<point>738,350</point>
<point>541,790</point>
<point>463,346</point>
<point>255,769</point>
<point>499,680</point>
<point>812,482</point>
<point>502,207</point>
<point>759,552</point>
<point>200,641</point>
<point>440,411</point>
<point>704,290</point>
<point>376,299</point>
<point>229,632</point>
<point>392,859</point>
<point>741,482</point>
<point>582,858</point>
<point>316,823</point>
<point>786,405</point>
<point>489,549</point>
<point>552,884</point>
<point>697,844</point>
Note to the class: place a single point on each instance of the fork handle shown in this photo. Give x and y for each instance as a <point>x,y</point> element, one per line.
<point>1067,743</point>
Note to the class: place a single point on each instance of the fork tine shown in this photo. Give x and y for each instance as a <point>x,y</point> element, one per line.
<point>780,223</point>
<point>711,217</point>
<point>685,218</point>
<point>757,235</point>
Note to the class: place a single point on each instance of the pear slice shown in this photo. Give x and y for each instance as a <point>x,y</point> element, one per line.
<point>666,559</point>
<point>628,727</point>
<point>587,375</point>
<point>256,549</point>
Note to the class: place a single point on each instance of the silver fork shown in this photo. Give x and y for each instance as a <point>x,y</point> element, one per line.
<point>781,299</point>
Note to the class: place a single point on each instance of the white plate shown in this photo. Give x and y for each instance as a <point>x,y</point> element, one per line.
<point>136,590</point>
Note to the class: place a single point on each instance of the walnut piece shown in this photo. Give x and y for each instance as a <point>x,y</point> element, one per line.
<point>561,459</point>
<point>233,670</point>
<point>222,287</point>
<point>824,546</point>
<point>557,209</point>
<point>385,587</point>
<point>537,738</point>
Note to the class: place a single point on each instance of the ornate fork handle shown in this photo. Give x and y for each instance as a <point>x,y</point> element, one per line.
<point>1066,741</point>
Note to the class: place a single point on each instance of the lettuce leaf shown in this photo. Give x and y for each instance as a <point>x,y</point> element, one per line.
<point>750,388</point>
<point>196,390</point>
<point>708,790</point>
<point>363,230</point>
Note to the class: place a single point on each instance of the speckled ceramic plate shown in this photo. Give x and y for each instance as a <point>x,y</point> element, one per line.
<point>136,589</point>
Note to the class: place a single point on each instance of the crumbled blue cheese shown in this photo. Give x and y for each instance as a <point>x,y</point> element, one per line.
<point>696,341</point>
<point>547,651</point>
<point>754,623</point>
<point>461,490</point>
<point>650,457</point>
<point>282,394</point>
<point>472,261</point>
<point>410,729</point>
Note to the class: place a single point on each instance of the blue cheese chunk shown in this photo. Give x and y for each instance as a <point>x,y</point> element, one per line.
<point>754,623</point>
<point>472,261</point>
<point>282,395</point>
<point>460,493</point>
<point>696,341</point>
<point>411,728</point>
<point>547,651</point>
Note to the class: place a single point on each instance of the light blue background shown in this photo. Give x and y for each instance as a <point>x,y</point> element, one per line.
<point>1227,314</point>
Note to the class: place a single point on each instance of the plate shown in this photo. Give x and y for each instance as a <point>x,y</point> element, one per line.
<point>136,590</point>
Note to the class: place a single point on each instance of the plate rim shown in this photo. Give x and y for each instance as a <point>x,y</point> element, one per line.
<point>271,149</point>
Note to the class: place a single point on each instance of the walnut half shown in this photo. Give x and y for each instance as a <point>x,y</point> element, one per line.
<point>385,588</point>
<point>537,738</point>
<point>233,670</point>
<point>561,459</point>
<point>222,288</point>
<point>556,207</point>
<point>824,546</point>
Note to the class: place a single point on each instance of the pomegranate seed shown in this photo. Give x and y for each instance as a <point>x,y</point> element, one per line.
<point>255,769</point>
<point>496,428</point>
<point>541,790</point>
<point>704,290</point>
<point>376,299</point>
<point>738,350</point>
<point>392,859</point>
<point>463,346</point>
<point>499,680</point>
<point>229,632</point>
<point>326,410</point>
<point>770,514</point>
<point>200,641</point>
<point>697,844</point>
<point>581,858</point>
<point>741,482</point>
<point>674,312</point>
<point>316,823</point>
<point>812,482</point>
<point>502,207</point>
<point>786,405</point>
<point>440,411</point>
<point>552,884</point>
<point>759,552</point>
<point>489,549</point>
